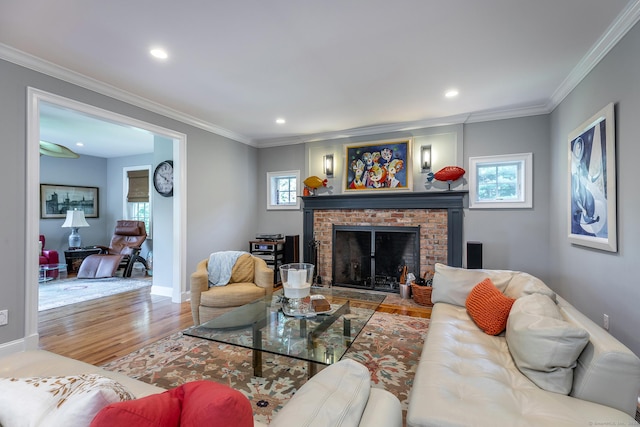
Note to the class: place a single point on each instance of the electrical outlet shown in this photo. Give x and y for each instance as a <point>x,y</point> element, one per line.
<point>4,317</point>
<point>605,321</point>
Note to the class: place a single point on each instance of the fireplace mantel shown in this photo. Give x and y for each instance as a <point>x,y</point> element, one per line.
<point>450,200</point>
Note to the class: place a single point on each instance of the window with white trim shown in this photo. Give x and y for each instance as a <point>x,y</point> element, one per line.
<point>282,190</point>
<point>503,181</point>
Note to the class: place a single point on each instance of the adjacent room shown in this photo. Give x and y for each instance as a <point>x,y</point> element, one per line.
<point>409,213</point>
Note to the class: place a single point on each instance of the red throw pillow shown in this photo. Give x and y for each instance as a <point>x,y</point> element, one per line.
<point>157,410</point>
<point>206,403</point>
<point>489,307</point>
<point>194,404</point>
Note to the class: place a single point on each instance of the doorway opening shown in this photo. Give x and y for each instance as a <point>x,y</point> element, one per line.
<point>174,240</point>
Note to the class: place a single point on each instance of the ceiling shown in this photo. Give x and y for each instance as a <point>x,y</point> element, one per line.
<point>330,68</point>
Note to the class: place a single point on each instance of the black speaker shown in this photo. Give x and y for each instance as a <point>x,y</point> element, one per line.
<point>474,254</point>
<point>291,249</point>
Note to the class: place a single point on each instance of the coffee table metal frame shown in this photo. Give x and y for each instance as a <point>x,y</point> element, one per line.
<point>319,340</point>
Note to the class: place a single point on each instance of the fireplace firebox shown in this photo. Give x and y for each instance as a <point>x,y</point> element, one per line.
<point>373,257</point>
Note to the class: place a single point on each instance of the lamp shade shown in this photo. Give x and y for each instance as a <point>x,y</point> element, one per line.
<point>75,219</point>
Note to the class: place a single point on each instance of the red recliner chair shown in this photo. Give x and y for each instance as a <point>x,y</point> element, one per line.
<point>48,257</point>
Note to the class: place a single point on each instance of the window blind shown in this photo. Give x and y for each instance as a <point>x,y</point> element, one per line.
<point>138,186</point>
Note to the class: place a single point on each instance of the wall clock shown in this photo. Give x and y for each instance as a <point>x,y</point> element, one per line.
<point>163,178</point>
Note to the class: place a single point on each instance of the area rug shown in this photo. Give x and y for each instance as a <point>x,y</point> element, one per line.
<point>58,293</point>
<point>389,346</point>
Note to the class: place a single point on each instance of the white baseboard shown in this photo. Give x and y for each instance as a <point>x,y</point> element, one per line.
<point>26,343</point>
<point>161,291</point>
<point>168,292</point>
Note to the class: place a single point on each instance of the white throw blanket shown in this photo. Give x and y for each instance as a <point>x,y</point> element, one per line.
<point>220,266</point>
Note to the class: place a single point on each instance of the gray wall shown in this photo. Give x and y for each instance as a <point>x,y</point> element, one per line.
<point>286,222</point>
<point>599,282</point>
<point>221,177</point>
<point>85,171</point>
<point>515,239</point>
<point>163,237</point>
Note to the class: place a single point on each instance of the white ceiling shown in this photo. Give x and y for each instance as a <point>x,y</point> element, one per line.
<point>330,67</point>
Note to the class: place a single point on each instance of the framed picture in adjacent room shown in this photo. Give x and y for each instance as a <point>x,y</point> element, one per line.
<point>592,182</point>
<point>56,200</point>
<point>378,166</point>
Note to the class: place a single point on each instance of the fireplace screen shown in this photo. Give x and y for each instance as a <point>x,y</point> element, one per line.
<point>373,257</point>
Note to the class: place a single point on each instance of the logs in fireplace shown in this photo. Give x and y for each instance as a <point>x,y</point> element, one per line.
<point>373,257</point>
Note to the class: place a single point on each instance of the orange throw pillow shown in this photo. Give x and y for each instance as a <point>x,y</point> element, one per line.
<point>489,307</point>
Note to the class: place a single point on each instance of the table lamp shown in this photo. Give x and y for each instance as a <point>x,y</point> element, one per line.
<point>75,219</point>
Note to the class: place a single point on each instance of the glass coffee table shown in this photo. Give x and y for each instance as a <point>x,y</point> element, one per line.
<point>319,339</point>
<point>50,272</point>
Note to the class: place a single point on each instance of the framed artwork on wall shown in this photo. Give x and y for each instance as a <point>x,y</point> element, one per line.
<point>56,200</point>
<point>378,166</point>
<point>592,182</point>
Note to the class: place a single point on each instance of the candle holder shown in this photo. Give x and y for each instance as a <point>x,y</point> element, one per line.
<point>296,281</point>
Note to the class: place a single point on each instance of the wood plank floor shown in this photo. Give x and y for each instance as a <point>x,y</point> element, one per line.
<point>105,329</point>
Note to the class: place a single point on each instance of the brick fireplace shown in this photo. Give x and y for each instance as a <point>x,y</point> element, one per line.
<point>437,214</point>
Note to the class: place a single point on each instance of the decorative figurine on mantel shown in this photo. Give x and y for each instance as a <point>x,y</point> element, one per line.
<point>447,174</point>
<point>311,185</point>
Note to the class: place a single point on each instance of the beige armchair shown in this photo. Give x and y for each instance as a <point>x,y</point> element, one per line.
<point>251,279</point>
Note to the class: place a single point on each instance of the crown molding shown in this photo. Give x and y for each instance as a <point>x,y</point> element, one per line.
<point>363,131</point>
<point>49,68</point>
<point>623,23</point>
<point>507,113</point>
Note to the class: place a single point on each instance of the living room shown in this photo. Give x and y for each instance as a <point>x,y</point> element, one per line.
<point>225,189</point>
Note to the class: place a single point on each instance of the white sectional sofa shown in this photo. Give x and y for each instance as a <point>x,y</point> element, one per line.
<point>469,378</point>
<point>340,394</point>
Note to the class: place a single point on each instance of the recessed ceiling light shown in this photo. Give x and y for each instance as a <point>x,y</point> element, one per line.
<point>79,144</point>
<point>451,93</point>
<point>281,121</point>
<point>159,53</point>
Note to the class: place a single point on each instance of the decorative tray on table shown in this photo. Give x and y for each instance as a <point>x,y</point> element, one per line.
<point>312,306</point>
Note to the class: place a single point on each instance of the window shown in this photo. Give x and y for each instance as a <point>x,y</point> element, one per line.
<point>140,211</point>
<point>501,181</point>
<point>137,204</point>
<point>282,190</point>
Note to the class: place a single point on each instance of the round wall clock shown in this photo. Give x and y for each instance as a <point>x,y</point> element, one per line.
<point>163,178</point>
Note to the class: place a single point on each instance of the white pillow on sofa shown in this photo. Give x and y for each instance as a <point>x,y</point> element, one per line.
<point>544,346</point>
<point>523,284</point>
<point>70,401</point>
<point>452,284</point>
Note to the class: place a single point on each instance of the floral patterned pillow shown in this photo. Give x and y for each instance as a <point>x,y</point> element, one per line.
<point>70,401</point>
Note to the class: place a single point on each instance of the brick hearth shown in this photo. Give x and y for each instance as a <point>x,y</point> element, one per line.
<point>432,223</point>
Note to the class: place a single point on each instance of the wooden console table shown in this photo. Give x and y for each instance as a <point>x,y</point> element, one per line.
<point>74,257</point>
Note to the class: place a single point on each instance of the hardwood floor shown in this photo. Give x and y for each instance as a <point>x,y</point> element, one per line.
<point>105,329</point>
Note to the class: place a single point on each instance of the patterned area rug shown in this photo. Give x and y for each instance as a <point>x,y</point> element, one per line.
<point>389,346</point>
<point>58,293</point>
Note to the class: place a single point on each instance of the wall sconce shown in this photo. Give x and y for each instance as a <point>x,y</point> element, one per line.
<point>327,162</point>
<point>425,158</point>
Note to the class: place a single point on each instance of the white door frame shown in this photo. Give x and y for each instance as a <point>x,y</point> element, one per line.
<point>34,98</point>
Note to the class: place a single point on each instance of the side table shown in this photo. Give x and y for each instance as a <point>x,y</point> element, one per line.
<point>74,257</point>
